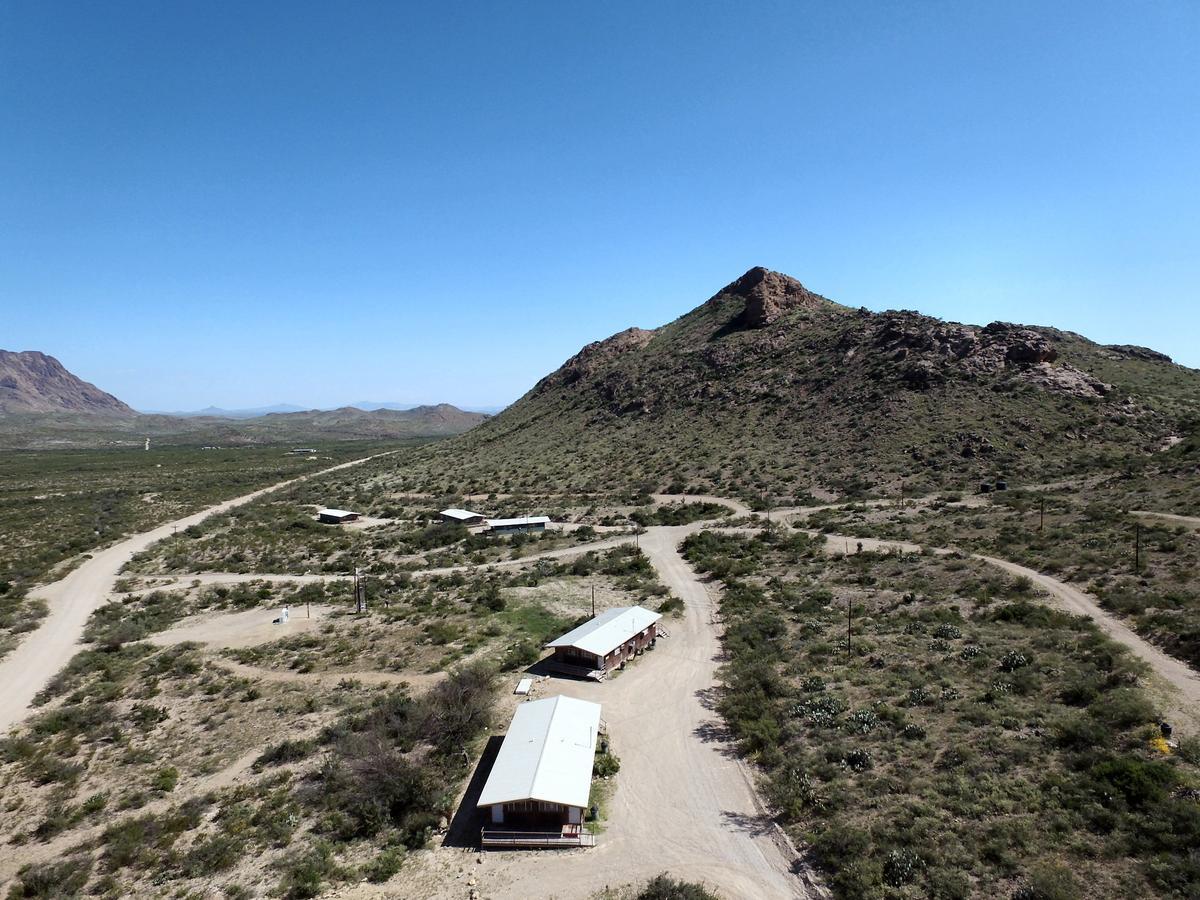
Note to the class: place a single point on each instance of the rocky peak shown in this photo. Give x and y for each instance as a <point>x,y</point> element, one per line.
<point>31,381</point>
<point>769,295</point>
<point>596,354</point>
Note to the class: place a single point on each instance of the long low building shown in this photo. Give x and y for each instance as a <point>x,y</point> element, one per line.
<point>336,516</point>
<point>522,523</point>
<point>462,517</point>
<point>537,792</point>
<point>603,643</point>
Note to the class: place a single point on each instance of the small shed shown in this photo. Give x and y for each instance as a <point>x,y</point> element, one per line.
<point>522,523</point>
<point>542,776</point>
<point>462,517</point>
<point>603,643</point>
<point>336,516</point>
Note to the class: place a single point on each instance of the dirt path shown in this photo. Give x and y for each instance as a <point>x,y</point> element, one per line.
<point>684,803</point>
<point>1178,692</point>
<point>1190,521</point>
<point>44,652</point>
<point>173,582</point>
<point>1181,701</point>
<point>739,508</point>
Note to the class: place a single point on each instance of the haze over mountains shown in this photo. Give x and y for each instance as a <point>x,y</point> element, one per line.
<point>769,386</point>
<point>43,404</point>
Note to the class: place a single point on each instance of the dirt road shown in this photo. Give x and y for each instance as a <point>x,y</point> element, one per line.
<point>44,652</point>
<point>1189,521</point>
<point>684,802</point>
<point>1179,691</point>
<point>1181,701</point>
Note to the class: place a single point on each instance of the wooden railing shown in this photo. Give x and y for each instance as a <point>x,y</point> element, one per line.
<point>492,838</point>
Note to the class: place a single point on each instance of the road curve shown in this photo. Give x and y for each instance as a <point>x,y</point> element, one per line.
<point>1181,701</point>
<point>685,803</point>
<point>44,652</point>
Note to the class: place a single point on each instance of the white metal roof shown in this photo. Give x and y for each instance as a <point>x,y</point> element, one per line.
<point>460,514</point>
<point>338,513</point>
<point>523,520</point>
<point>608,630</point>
<point>547,754</point>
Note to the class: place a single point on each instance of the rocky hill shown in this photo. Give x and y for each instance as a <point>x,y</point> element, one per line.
<point>32,382</point>
<point>768,386</point>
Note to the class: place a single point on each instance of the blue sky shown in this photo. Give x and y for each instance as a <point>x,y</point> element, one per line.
<point>244,203</point>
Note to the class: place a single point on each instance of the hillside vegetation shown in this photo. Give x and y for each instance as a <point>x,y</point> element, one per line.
<point>769,387</point>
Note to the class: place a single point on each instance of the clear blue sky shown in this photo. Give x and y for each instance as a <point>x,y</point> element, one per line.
<point>242,203</point>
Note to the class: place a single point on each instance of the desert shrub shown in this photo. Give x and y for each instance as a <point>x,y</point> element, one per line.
<point>664,887</point>
<point>305,874</point>
<point>165,779</point>
<point>606,765</point>
<point>901,866</point>
<point>384,864</point>
<point>1048,881</point>
<point>62,878</point>
<point>216,853</point>
<point>284,752</point>
<point>1122,708</point>
<point>1080,732</point>
<point>520,655</point>
<point>1138,782</point>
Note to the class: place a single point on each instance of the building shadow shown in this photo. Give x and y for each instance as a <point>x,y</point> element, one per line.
<point>464,827</point>
<point>545,668</point>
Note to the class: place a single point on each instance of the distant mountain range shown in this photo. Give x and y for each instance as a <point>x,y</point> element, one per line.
<point>43,404</point>
<point>218,412</point>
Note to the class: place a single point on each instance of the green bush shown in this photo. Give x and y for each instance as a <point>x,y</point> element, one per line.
<point>1138,782</point>
<point>165,779</point>
<point>64,878</point>
<point>305,874</point>
<point>664,887</point>
<point>385,864</point>
<point>606,765</point>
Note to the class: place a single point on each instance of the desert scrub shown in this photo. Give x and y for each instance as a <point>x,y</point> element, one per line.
<point>95,497</point>
<point>948,773</point>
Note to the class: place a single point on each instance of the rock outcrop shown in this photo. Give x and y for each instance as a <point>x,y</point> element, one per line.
<point>768,296</point>
<point>32,382</point>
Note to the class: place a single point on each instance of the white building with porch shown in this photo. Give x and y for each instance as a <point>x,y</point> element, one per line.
<point>537,792</point>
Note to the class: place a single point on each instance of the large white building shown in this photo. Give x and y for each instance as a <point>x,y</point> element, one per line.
<point>542,777</point>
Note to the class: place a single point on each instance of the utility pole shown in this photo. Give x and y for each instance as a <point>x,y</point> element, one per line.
<point>1137,546</point>
<point>1042,520</point>
<point>360,600</point>
<point>593,600</point>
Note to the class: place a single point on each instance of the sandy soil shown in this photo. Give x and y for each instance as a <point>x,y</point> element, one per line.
<point>684,803</point>
<point>231,631</point>
<point>45,651</point>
